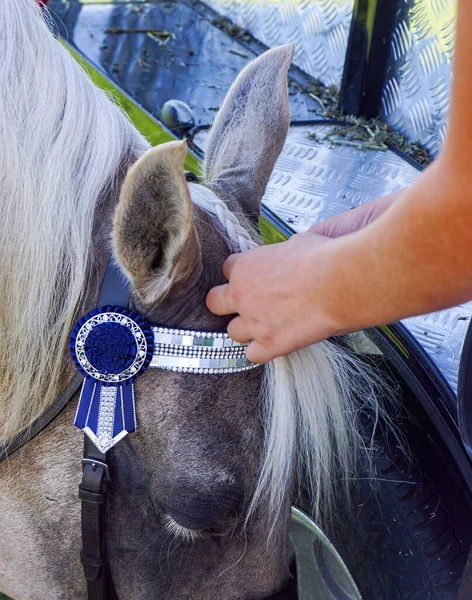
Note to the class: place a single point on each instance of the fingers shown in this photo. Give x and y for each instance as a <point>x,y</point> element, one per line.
<point>337,226</point>
<point>218,300</point>
<point>354,219</point>
<point>238,331</point>
<point>228,265</point>
<point>257,353</point>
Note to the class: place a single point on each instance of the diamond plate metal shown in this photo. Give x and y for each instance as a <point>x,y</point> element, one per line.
<point>416,95</point>
<point>313,179</point>
<point>442,335</point>
<point>319,29</point>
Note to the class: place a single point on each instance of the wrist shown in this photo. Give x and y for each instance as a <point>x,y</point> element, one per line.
<point>326,291</point>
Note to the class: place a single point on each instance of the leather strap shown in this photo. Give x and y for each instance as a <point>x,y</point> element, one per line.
<point>96,476</point>
<point>115,287</point>
<point>93,495</point>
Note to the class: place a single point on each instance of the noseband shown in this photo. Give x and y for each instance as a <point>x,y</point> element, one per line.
<point>111,346</point>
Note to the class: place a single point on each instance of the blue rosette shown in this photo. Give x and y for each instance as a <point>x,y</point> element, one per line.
<point>110,346</point>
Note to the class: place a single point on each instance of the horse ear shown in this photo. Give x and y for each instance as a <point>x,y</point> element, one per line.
<point>155,240</point>
<point>250,131</point>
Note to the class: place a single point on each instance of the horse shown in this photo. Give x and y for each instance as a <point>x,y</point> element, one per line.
<point>200,495</point>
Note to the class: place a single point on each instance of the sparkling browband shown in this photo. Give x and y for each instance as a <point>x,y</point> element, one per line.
<point>187,351</point>
<point>112,346</point>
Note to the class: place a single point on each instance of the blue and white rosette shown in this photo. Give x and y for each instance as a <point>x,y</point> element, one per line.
<point>110,346</point>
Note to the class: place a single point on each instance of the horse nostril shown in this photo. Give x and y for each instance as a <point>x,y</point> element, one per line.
<point>197,510</point>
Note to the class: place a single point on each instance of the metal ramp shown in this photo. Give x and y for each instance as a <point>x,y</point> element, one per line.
<point>389,61</point>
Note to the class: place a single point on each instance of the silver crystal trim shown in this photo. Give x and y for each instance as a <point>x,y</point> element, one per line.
<point>203,352</point>
<point>104,439</point>
<point>106,414</point>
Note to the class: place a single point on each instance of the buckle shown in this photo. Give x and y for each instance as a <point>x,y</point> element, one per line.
<point>94,463</point>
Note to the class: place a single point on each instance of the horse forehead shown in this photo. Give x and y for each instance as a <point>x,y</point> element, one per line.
<point>204,403</point>
<point>207,392</point>
<point>196,418</point>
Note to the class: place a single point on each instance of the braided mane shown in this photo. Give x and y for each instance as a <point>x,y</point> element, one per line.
<point>238,237</point>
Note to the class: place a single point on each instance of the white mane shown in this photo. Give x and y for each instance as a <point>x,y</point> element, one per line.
<point>312,401</point>
<point>64,145</point>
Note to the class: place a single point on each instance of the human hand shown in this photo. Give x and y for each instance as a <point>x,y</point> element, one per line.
<point>277,293</point>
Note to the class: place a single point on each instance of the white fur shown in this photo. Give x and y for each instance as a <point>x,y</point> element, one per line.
<point>63,146</point>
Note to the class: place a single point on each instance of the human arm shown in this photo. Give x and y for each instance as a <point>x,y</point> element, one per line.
<point>415,258</point>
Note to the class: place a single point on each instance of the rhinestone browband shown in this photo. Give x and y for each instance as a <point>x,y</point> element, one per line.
<point>198,352</point>
<point>112,346</point>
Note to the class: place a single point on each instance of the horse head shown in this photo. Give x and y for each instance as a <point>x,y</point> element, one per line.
<point>200,495</point>
<point>198,449</point>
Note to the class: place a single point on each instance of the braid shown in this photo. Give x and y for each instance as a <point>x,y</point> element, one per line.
<point>239,238</point>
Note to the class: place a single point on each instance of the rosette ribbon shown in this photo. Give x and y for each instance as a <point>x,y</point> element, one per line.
<point>110,346</point>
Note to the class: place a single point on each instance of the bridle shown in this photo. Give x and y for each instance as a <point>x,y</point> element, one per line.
<point>96,476</point>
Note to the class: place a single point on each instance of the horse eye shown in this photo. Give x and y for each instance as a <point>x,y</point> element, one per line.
<point>189,176</point>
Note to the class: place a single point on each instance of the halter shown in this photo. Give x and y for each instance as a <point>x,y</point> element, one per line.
<point>108,420</point>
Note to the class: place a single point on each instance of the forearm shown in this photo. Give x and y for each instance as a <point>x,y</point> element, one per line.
<point>412,258</point>
<point>415,258</point>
